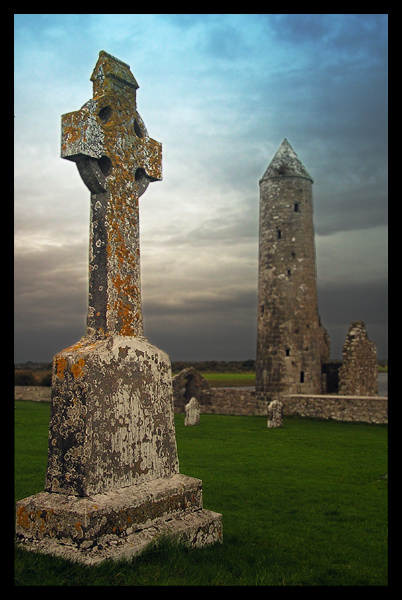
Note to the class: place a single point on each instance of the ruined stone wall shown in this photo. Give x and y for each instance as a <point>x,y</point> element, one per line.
<point>366,409</point>
<point>358,374</point>
<point>187,384</point>
<point>34,393</point>
<point>232,401</point>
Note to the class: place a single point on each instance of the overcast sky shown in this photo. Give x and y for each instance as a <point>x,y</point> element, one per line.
<point>220,92</point>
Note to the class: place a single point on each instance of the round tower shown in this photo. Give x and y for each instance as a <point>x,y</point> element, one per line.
<point>291,343</point>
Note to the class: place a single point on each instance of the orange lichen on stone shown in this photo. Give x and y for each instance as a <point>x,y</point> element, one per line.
<point>61,365</point>
<point>74,347</point>
<point>125,286</point>
<point>78,527</point>
<point>77,369</point>
<point>23,519</point>
<point>109,126</point>
<point>72,129</point>
<point>72,134</point>
<point>125,315</point>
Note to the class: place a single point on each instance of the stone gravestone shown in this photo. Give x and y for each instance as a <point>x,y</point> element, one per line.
<point>275,414</point>
<point>112,481</point>
<point>192,412</point>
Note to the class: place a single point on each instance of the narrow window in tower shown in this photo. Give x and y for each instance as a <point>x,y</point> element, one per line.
<point>287,351</point>
<point>262,308</point>
<point>279,234</point>
<point>289,272</point>
<point>301,376</point>
<point>296,206</point>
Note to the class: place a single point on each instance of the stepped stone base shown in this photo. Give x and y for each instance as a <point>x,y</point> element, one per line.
<point>117,524</point>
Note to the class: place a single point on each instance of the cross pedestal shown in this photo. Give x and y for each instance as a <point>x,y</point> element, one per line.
<point>112,481</point>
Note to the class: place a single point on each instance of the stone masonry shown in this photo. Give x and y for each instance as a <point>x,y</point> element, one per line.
<point>234,401</point>
<point>358,375</point>
<point>291,342</point>
<point>187,384</point>
<point>112,481</point>
<point>246,401</point>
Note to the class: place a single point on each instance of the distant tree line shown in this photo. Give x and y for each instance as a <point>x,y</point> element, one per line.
<point>216,366</point>
<point>34,373</point>
<point>31,377</point>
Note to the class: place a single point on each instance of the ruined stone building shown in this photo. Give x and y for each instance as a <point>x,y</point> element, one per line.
<point>187,384</point>
<point>358,375</point>
<point>292,344</point>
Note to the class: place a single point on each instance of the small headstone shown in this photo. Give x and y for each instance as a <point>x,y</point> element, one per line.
<point>112,481</point>
<point>275,414</point>
<point>192,412</point>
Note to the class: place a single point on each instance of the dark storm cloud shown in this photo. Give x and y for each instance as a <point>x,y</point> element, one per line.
<point>345,33</point>
<point>366,206</point>
<point>340,304</point>
<point>220,92</point>
<point>50,292</point>
<point>220,327</point>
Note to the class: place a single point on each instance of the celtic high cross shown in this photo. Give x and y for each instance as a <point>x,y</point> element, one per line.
<point>112,482</point>
<point>116,159</point>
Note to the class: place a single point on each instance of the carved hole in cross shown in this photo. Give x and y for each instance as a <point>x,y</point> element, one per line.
<point>137,129</point>
<point>140,174</point>
<point>142,180</point>
<point>105,165</point>
<point>105,113</point>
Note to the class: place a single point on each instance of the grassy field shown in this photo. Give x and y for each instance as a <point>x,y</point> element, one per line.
<point>304,505</point>
<point>230,379</point>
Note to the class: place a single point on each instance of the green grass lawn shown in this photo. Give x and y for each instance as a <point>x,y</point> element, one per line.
<point>302,505</point>
<point>229,379</point>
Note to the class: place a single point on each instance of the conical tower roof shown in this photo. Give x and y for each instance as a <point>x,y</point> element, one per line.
<point>286,163</point>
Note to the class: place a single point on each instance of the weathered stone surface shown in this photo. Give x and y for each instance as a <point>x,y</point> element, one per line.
<point>275,414</point>
<point>192,413</point>
<point>116,159</point>
<point>235,401</point>
<point>364,409</point>
<point>358,375</point>
<point>111,422</point>
<point>193,528</point>
<point>291,342</point>
<point>187,384</point>
<point>117,524</point>
<point>82,520</point>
